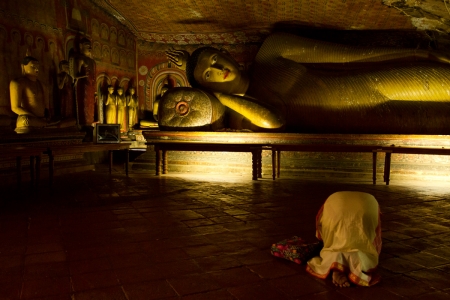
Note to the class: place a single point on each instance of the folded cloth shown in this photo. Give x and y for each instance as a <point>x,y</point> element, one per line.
<point>296,249</point>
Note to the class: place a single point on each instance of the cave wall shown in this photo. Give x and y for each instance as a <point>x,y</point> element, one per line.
<point>49,30</point>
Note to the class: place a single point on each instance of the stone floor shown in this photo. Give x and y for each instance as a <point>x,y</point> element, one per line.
<point>101,236</point>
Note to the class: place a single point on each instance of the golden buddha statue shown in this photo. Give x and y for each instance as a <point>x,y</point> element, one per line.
<point>111,106</point>
<point>303,85</point>
<point>121,107</point>
<point>27,97</point>
<point>133,106</point>
<point>27,100</point>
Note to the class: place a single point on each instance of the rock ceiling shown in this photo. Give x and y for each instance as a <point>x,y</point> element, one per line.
<point>243,21</point>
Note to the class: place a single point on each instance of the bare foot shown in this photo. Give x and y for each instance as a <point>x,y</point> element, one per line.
<point>340,279</point>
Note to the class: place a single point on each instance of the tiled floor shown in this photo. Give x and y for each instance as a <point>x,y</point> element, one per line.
<point>101,236</point>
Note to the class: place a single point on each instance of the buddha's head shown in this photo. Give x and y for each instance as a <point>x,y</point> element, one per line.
<point>216,71</point>
<point>131,90</point>
<point>110,89</point>
<point>64,66</point>
<point>86,47</point>
<point>120,91</point>
<point>30,67</point>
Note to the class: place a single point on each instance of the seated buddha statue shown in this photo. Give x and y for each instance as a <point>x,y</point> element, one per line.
<point>27,100</point>
<point>298,84</point>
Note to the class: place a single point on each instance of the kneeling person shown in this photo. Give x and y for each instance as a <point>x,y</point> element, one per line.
<point>349,226</point>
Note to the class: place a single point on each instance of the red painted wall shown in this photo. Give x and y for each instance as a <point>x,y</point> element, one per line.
<point>48,30</point>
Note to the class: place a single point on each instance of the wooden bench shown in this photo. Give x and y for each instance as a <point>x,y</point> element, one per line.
<point>53,151</point>
<point>17,153</point>
<point>35,153</point>
<point>161,148</point>
<point>276,153</point>
<point>277,142</point>
<point>408,150</point>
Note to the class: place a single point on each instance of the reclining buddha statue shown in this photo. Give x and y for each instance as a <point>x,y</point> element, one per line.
<point>299,84</point>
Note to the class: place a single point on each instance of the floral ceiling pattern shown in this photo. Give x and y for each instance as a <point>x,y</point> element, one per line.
<point>185,22</point>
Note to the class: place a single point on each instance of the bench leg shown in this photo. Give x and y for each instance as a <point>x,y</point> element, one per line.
<point>164,162</point>
<point>127,160</point>
<point>254,165</point>
<point>374,167</point>
<point>387,167</point>
<point>274,164</point>
<point>278,163</point>
<point>157,161</point>
<point>259,151</point>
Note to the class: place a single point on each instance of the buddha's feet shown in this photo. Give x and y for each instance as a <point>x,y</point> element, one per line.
<point>340,279</point>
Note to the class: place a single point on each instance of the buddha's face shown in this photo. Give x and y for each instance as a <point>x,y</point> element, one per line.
<point>111,90</point>
<point>217,71</point>
<point>120,91</point>
<point>65,68</point>
<point>31,69</point>
<point>86,49</point>
<point>132,91</point>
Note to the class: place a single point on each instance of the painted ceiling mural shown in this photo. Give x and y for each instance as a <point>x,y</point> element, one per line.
<point>185,22</point>
<point>240,21</point>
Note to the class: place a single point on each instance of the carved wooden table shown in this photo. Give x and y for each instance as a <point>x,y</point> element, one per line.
<point>18,152</point>
<point>36,145</point>
<point>52,151</point>
<point>164,141</point>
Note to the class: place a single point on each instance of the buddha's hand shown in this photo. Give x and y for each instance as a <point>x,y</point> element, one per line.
<point>259,113</point>
<point>178,57</point>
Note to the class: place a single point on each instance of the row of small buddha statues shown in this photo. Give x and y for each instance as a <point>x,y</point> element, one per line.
<point>29,103</point>
<point>120,108</point>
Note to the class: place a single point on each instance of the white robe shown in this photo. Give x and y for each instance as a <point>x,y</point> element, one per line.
<point>349,225</point>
